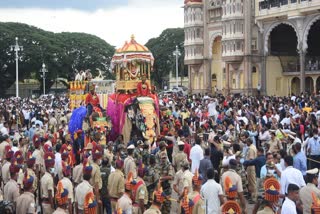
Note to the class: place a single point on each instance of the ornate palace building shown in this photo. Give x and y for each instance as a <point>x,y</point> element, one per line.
<point>238,44</point>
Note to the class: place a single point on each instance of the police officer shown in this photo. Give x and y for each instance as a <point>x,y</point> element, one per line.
<point>105,172</point>
<point>179,157</point>
<point>198,203</point>
<point>25,202</point>
<point>116,184</point>
<point>95,180</point>
<point>306,192</point>
<point>139,192</point>
<point>166,175</point>
<point>47,184</point>
<point>67,184</point>
<point>158,198</point>
<point>129,163</point>
<point>84,187</point>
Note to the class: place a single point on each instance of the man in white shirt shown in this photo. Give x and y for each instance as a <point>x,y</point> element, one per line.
<point>212,194</point>
<point>290,176</point>
<point>289,205</point>
<point>196,155</point>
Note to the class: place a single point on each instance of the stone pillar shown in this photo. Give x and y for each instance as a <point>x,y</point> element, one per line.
<point>302,72</point>
<point>263,77</point>
<point>314,79</point>
<point>247,45</point>
<point>190,78</point>
<point>227,78</point>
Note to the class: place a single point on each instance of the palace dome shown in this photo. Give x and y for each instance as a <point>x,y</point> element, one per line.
<point>132,46</point>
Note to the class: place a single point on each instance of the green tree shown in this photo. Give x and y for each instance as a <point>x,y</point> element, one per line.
<point>62,53</point>
<point>162,49</point>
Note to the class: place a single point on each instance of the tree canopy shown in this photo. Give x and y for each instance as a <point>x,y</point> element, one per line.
<point>162,49</point>
<point>62,53</point>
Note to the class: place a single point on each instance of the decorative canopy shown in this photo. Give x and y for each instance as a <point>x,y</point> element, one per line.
<point>192,1</point>
<point>132,51</point>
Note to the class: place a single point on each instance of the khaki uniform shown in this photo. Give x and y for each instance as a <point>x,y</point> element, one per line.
<point>11,191</point>
<point>60,211</point>
<point>141,193</point>
<point>275,145</point>
<point>20,178</point>
<point>77,174</point>
<point>251,173</point>
<point>178,158</point>
<point>67,184</point>
<point>235,178</point>
<point>305,194</point>
<point>198,207</point>
<point>115,187</point>
<point>2,147</point>
<point>25,203</point>
<point>96,176</point>
<point>187,180</point>
<point>266,210</point>
<point>125,203</point>
<point>37,154</point>
<point>46,184</point>
<point>130,166</point>
<point>5,172</point>
<point>152,210</point>
<point>80,192</point>
<point>108,154</point>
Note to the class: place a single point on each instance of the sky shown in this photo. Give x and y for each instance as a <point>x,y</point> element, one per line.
<point>112,20</point>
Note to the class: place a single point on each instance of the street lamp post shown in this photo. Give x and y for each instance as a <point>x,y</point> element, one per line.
<point>16,48</point>
<point>177,54</point>
<point>44,71</point>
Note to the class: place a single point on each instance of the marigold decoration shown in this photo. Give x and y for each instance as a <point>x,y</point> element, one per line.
<point>90,204</point>
<point>62,194</point>
<point>272,188</point>
<point>158,194</point>
<point>315,208</point>
<point>231,207</point>
<point>119,211</point>
<point>129,181</point>
<point>30,159</point>
<point>27,180</point>
<point>230,189</point>
<point>186,203</point>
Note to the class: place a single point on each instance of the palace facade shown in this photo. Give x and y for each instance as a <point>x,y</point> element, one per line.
<point>239,45</point>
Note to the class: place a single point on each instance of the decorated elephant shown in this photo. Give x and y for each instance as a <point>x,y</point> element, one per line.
<point>131,114</point>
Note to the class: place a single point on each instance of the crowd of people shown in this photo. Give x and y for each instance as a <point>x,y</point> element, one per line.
<point>214,154</point>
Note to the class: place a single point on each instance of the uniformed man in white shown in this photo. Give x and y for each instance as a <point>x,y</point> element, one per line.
<point>129,163</point>
<point>306,192</point>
